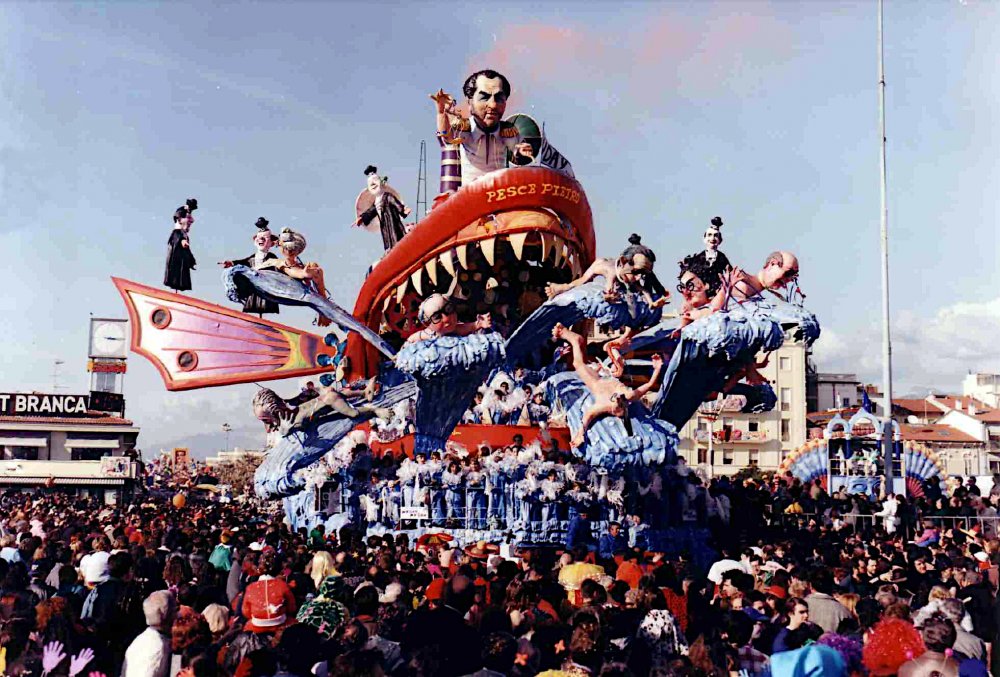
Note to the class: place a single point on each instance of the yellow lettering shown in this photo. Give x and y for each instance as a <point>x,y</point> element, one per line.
<point>522,190</point>
<point>532,191</point>
<point>490,194</point>
<point>501,194</point>
<point>546,188</point>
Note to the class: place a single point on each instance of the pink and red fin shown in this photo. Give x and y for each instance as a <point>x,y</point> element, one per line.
<point>195,344</point>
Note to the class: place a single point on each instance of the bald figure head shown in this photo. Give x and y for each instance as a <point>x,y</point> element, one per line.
<point>780,268</point>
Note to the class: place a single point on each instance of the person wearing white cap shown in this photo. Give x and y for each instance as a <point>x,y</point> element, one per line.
<point>149,654</point>
<point>94,569</point>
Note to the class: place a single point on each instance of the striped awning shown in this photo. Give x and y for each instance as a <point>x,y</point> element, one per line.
<point>23,442</point>
<point>65,481</point>
<point>91,444</point>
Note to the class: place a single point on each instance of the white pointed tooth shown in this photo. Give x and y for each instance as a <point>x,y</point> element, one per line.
<point>432,271</point>
<point>401,291</point>
<point>418,278</point>
<point>385,304</point>
<point>575,265</point>
<point>546,246</point>
<point>517,243</point>
<point>557,261</point>
<point>492,283</point>
<point>463,255</point>
<point>489,249</point>
<point>448,262</point>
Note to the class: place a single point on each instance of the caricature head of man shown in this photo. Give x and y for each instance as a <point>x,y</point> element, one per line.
<point>438,313</point>
<point>263,239</point>
<point>780,268</point>
<point>487,92</point>
<point>713,238</point>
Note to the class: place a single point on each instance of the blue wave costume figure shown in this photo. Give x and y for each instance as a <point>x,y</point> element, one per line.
<point>496,475</point>
<point>435,484</point>
<point>475,482</point>
<point>454,486</point>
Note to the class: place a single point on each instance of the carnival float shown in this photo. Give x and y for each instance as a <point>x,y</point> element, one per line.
<point>500,283</point>
<point>850,456</point>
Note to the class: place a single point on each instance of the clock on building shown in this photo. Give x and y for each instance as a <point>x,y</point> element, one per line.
<point>109,338</point>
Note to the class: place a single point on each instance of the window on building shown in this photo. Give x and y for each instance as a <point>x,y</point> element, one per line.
<point>786,399</point>
<point>702,424</point>
<point>785,363</point>
<point>753,426</point>
<point>970,465</point>
<point>754,457</point>
<point>105,382</point>
<point>87,454</point>
<point>727,457</point>
<point>702,456</point>
<point>22,453</point>
<point>786,430</point>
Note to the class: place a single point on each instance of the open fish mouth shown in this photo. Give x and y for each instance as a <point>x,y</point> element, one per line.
<point>492,247</point>
<point>500,264</point>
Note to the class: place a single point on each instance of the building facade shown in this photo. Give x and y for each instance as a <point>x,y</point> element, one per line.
<point>55,440</point>
<point>833,391</point>
<point>984,387</point>
<point>731,440</point>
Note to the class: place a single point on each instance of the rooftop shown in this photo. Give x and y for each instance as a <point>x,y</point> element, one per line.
<point>936,433</point>
<point>91,418</point>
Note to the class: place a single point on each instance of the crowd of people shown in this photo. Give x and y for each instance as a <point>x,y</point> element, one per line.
<point>159,588</point>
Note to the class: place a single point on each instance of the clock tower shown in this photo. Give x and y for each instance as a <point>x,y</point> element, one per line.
<point>108,352</point>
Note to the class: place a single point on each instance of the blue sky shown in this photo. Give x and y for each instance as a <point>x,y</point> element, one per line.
<point>763,113</point>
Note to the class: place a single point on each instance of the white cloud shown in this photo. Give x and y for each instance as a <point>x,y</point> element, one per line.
<point>934,350</point>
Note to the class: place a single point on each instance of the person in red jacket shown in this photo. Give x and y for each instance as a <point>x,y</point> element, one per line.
<point>268,603</point>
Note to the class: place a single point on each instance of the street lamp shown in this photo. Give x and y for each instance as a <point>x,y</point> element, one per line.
<point>226,428</point>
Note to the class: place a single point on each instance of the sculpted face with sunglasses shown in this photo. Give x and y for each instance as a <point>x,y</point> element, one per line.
<point>440,318</point>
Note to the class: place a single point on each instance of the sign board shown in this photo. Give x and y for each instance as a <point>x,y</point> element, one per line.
<point>179,457</point>
<point>99,366</point>
<point>728,404</point>
<point>115,466</point>
<point>107,402</point>
<point>414,513</point>
<point>36,404</point>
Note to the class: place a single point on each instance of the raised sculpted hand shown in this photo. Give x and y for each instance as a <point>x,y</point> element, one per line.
<point>484,321</point>
<point>442,99</point>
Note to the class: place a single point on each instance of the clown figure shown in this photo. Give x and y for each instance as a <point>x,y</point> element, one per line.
<point>263,241</point>
<point>386,206</point>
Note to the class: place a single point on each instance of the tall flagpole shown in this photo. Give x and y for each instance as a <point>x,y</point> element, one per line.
<point>887,441</point>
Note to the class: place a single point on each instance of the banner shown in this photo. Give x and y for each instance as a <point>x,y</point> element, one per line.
<point>549,157</point>
<point>414,513</point>
<point>34,404</point>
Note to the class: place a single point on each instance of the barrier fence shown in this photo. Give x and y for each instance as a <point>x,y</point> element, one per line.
<point>988,526</point>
